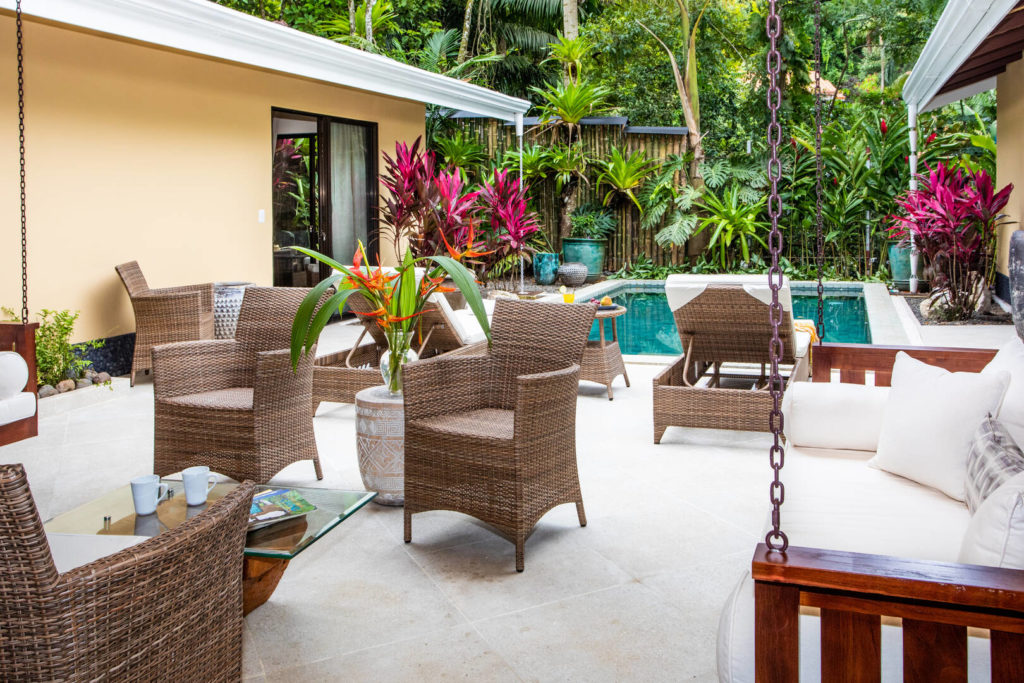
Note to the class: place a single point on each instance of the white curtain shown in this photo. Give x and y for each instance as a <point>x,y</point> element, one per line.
<point>349,198</point>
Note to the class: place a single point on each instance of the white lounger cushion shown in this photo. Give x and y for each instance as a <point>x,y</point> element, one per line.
<point>17,407</point>
<point>682,289</point>
<point>833,415</point>
<point>464,323</point>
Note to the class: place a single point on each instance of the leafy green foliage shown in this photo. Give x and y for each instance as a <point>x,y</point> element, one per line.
<point>57,358</point>
<point>732,223</point>
<point>643,268</point>
<point>624,174</point>
<point>592,222</point>
<point>462,152</point>
<point>569,102</point>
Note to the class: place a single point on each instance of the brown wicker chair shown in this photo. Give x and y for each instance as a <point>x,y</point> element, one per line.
<point>163,316</point>
<point>494,436</point>
<point>339,376</point>
<point>236,405</point>
<point>169,608</point>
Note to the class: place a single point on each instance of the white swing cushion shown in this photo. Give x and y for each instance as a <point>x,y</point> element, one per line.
<point>17,407</point>
<point>13,374</point>
<point>834,415</point>
<point>995,536</point>
<point>1010,358</point>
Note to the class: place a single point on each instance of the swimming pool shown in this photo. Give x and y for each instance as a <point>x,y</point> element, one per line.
<point>648,326</point>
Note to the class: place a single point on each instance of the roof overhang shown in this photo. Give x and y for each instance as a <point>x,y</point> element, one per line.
<point>971,44</point>
<point>204,28</point>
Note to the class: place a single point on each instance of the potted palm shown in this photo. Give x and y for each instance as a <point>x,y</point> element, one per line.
<point>591,227</point>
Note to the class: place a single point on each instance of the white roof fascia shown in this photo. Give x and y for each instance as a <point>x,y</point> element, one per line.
<point>961,93</point>
<point>963,26</point>
<point>205,28</point>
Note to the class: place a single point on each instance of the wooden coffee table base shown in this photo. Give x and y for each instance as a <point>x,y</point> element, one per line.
<point>259,579</point>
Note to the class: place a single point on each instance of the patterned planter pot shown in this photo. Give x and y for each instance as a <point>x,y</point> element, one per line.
<point>380,444</point>
<point>545,267</point>
<point>227,302</point>
<point>572,274</point>
<point>586,251</point>
<point>1016,271</point>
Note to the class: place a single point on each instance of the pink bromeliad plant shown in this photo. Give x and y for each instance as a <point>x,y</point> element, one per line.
<point>952,218</point>
<point>504,202</point>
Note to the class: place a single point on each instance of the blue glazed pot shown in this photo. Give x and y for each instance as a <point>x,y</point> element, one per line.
<point>899,264</point>
<point>586,251</point>
<point>545,267</point>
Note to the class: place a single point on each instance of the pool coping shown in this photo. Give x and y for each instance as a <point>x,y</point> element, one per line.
<point>883,319</point>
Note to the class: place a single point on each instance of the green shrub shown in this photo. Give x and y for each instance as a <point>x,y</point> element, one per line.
<point>56,357</point>
<point>592,222</point>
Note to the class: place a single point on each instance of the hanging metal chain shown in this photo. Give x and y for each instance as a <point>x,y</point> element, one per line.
<point>775,539</point>
<point>819,174</point>
<point>21,152</point>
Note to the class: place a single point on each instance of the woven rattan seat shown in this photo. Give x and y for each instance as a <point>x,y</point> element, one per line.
<point>494,435</point>
<point>236,405</point>
<point>486,423</point>
<point>235,398</point>
<point>167,609</point>
<point>164,316</point>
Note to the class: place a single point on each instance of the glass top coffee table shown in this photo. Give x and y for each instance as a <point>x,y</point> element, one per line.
<point>267,550</point>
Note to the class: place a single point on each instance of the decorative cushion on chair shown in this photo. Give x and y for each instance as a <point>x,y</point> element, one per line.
<point>1011,359</point>
<point>995,536</point>
<point>994,459</point>
<point>13,374</point>
<point>930,421</point>
<point>834,415</point>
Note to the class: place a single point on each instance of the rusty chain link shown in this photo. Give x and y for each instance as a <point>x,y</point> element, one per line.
<point>819,174</point>
<point>21,152</point>
<point>775,539</point>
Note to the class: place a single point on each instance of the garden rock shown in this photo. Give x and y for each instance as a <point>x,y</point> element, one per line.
<point>46,390</point>
<point>83,383</point>
<point>65,385</point>
<point>101,378</point>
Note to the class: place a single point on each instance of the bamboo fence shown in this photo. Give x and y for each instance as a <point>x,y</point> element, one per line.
<point>599,136</point>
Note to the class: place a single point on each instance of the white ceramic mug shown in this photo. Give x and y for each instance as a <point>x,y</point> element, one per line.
<point>198,482</point>
<point>147,491</point>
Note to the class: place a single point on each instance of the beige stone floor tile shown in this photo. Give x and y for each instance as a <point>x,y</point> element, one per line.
<point>252,665</point>
<point>452,654</point>
<point>701,586</point>
<point>624,633</point>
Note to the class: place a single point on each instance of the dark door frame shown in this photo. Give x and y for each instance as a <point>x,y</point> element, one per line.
<point>323,203</point>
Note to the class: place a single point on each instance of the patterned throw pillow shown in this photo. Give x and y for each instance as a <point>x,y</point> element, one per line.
<point>994,458</point>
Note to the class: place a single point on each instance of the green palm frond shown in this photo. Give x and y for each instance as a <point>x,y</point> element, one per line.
<point>570,102</point>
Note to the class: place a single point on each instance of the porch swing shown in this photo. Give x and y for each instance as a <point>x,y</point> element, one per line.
<point>18,398</point>
<point>917,611</point>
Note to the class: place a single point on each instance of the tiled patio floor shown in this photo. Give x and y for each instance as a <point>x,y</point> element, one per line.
<point>634,595</point>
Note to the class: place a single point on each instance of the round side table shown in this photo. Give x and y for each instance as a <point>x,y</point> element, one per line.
<point>602,359</point>
<point>380,443</point>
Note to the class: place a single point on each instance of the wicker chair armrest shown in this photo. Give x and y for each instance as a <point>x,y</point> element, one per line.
<point>189,367</point>
<point>205,294</point>
<point>444,385</point>
<point>122,606</point>
<point>278,385</point>
<point>547,395</point>
<point>181,307</point>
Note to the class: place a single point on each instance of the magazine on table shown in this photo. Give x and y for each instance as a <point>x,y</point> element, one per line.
<point>277,505</point>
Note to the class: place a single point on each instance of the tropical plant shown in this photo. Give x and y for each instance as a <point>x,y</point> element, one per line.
<point>669,205</point>
<point>461,152</point>
<point>567,103</point>
<point>396,299</point>
<point>570,53</point>
<point>731,221</point>
<point>593,222</point>
<point>512,224</point>
<point>952,218</point>
<point>624,174</point>
<point>534,161</point>
<point>57,358</point>
<point>359,34</point>
<point>641,267</point>
<point>411,193</point>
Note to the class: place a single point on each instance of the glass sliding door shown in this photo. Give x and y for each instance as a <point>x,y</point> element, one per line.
<point>324,192</point>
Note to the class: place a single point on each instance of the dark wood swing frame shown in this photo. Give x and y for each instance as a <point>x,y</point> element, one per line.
<point>936,602</point>
<point>21,338</point>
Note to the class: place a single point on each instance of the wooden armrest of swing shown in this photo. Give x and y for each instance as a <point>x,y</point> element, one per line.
<point>845,580</point>
<point>854,360</point>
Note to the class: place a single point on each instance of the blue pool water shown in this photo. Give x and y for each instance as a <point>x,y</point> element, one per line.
<point>648,326</point>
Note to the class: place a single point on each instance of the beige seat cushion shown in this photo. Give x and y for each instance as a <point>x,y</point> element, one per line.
<point>488,423</point>
<point>235,398</point>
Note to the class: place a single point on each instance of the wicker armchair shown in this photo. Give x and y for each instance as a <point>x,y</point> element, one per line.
<point>236,405</point>
<point>169,608</point>
<point>163,316</point>
<point>494,436</point>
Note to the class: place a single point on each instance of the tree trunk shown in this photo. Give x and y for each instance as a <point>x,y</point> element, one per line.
<point>369,20</point>
<point>570,198</point>
<point>352,18</point>
<point>467,22</point>
<point>570,19</point>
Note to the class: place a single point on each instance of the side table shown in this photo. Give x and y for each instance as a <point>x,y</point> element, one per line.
<point>602,359</point>
<point>380,443</point>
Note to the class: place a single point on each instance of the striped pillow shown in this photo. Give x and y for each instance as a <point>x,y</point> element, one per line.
<point>994,458</point>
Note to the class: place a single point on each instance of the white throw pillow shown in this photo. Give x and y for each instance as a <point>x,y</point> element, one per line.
<point>930,421</point>
<point>995,536</point>
<point>834,415</point>
<point>1010,359</point>
<point>13,374</point>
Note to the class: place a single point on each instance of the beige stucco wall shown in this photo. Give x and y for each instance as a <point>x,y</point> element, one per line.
<point>1010,160</point>
<point>141,153</point>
